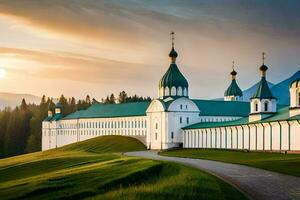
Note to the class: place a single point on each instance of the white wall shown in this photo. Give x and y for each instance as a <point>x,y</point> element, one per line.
<point>266,137</point>
<point>65,132</point>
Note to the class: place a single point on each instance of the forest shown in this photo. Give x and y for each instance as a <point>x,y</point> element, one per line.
<point>21,127</point>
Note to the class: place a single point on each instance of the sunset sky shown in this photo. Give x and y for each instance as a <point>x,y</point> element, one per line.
<point>79,47</point>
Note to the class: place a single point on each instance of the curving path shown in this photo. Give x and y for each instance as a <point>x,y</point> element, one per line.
<point>256,183</point>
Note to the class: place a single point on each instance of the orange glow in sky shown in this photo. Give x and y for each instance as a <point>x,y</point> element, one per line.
<point>98,47</point>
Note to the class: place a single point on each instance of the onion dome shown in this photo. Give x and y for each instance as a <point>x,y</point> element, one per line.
<point>263,68</point>
<point>173,83</point>
<point>173,53</point>
<point>173,76</point>
<point>233,73</point>
<point>233,90</point>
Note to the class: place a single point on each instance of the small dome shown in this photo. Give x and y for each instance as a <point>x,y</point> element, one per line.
<point>233,90</point>
<point>173,53</point>
<point>263,68</point>
<point>295,83</point>
<point>233,73</point>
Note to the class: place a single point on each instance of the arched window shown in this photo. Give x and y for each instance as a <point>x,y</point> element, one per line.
<point>180,120</point>
<point>255,106</point>
<point>156,126</point>
<point>179,91</point>
<point>266,106</point>
<point>173,91</point>
<point>172,135</point>
<point>185,92</point>
<point>187,120</point>
<point>167,91</point>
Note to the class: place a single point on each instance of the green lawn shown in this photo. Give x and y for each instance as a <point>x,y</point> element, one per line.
<point>282,163</point>
<point>96,169</point>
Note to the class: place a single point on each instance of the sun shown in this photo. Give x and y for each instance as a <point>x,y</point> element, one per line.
<point>2,73</point>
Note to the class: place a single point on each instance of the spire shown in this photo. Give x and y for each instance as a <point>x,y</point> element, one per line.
<point>233,73</point>
<point>173,54</point>
<point>263,68</point>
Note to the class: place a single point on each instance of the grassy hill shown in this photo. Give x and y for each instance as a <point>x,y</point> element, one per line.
<point>95,169</point>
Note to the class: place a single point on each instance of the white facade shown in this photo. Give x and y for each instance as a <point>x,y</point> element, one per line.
<point>274,136</point>
<point>160,128</point>
<point>63,132</point>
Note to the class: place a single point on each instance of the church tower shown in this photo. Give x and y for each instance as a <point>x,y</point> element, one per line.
<point>173,84</point>
<point>263,103</point>
<point>233,92</point>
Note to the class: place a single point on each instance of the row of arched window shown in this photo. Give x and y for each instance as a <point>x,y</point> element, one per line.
<point>96,132</point>
<point>108,124</point>
<point>173,91</point>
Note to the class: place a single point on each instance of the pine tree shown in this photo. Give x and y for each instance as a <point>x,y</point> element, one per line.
<point>123,97</point>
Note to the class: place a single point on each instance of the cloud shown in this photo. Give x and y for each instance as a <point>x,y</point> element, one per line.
<point>75,67</point>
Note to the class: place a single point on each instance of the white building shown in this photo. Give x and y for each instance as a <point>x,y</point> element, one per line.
<point>175,120</point>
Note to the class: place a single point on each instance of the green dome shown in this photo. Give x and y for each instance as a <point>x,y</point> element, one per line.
<point>233,89</point>
<point>173,77</point>
<point>173,53</point>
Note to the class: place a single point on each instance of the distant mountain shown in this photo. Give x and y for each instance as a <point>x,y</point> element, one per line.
<point>281,90</point>
<point>12,100</point>
<point>247,94</point>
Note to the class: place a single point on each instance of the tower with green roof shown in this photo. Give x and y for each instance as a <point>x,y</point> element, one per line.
<point>263,103</point>
<point>173,84</point>
<point>233,92</point>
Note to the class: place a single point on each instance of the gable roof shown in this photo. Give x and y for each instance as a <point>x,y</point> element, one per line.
<point>101,110</point>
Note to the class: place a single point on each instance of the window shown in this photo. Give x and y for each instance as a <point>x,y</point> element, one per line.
<point>256,106</point>
<point>155,136</point>
<point>180,106</point>
<point>180,120</point>
<point>187,120</point>
<point>186,106</point>
<point>156,126</point>
<point>266,105</point>
<point>172,135</point>
<point>299,99</point>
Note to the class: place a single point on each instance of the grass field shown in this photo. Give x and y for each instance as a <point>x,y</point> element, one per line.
<point>95,169</point>
<point>282,163</point>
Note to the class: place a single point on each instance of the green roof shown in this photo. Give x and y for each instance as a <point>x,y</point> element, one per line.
<point>281,115</point>
<point>222,108</point>
<point>101,110</point>
<point>233,89</point>
<point>263,91</point>
<point>173,77</point>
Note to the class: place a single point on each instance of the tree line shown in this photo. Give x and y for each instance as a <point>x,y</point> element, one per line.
<point>21,127</point>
